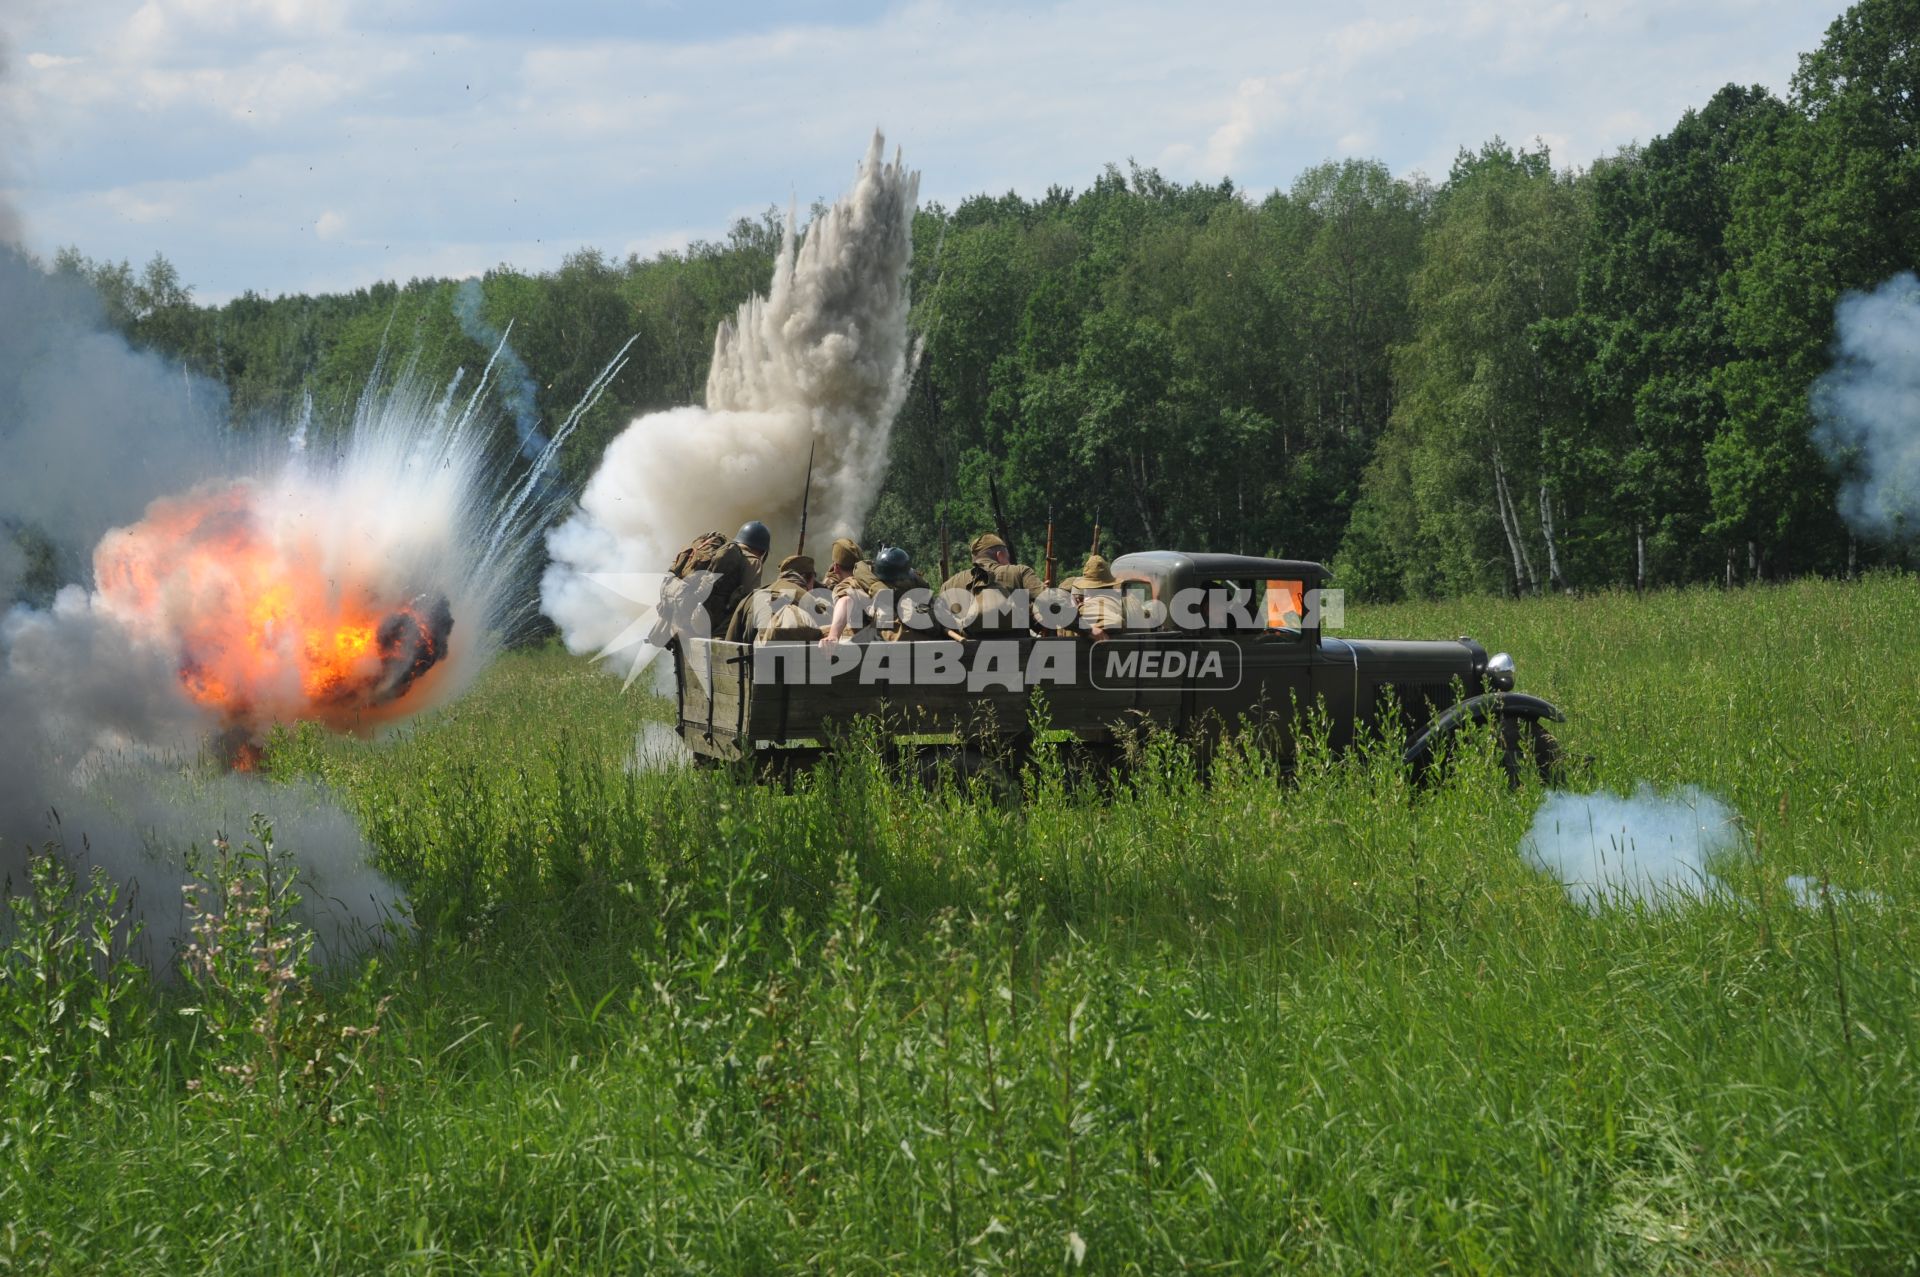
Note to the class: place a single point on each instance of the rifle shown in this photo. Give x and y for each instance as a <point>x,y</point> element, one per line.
<point>1000,520</point>
<point>1096,533</point>
<point>1049,545</point>
<point>946,568</point>
<point>806,494</point>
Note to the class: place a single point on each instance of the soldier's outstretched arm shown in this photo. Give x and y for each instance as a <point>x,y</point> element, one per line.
<point>838,626</point>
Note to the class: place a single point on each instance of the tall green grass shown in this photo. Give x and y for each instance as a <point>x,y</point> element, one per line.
<point>672,1021</point>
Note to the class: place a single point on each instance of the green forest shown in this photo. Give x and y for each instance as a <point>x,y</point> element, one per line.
<point>1515,379</point>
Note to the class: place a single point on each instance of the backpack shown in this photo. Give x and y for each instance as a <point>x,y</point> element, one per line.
<point>698,556</point>
<point>684,594</point>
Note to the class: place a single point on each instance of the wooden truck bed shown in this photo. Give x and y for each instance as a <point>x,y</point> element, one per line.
<point>724,713</point>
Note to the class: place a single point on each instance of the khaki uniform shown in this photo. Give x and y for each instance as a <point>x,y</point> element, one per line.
<point>986,586</point>
<point>713,580</point>
<point>1103,610</point>
<point>901,628</point>
<point>984,573</point>
<point>1102,607</point>
<point>862,579</point>
<point>763,606</point>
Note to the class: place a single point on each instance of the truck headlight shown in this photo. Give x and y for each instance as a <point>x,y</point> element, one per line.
<point>1500,672</point>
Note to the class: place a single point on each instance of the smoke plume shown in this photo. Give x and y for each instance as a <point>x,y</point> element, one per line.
<point>820,362</point>
<point>214,591</point>
<point>1868,408</point>
<point>1605,848</point>
<point>90,429</point>
<point>518,389</point>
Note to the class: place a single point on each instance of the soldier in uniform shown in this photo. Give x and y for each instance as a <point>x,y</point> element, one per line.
<point>905,604</point>
<point>865,592</point>
<point>991,583</point>
<point>1055,615</point>
<point>786,609</point>
<point>1097,596</point>
<point>708,580</point>
<point>851,581</point>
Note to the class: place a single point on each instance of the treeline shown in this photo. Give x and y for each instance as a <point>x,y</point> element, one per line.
<point>1521,378</point>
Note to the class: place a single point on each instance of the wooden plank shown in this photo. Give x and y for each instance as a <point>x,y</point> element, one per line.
<point>719,697</point>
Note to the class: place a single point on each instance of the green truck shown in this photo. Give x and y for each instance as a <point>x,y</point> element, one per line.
<point>1211,642</point>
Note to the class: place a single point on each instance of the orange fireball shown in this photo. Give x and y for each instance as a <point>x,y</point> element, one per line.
<point>261,628</point>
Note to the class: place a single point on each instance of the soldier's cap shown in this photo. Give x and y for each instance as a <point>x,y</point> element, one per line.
<point>1097,575</point>
<point>846,553</point>
<point>797,565</point>
<point>984,542</point>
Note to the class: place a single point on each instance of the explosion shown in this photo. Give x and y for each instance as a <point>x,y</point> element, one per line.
<point>261,633</point>
<point>321,588</point>
<point>818,367</point>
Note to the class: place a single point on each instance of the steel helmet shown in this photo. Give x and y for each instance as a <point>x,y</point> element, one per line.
<point>753,535</point>
<point>892,565</point>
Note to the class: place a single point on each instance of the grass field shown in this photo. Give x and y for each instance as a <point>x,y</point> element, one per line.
<point>664,1021</point>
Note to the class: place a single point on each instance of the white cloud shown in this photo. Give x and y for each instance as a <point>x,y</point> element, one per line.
<point>130,207</point>
<point>227,122</point>
<point>1257,103</point>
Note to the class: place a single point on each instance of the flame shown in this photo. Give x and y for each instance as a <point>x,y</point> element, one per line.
<point>267,625</point>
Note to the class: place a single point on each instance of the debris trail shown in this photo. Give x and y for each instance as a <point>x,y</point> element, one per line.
<point>823,361</point>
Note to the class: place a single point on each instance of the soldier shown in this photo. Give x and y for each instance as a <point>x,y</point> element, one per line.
<point>1055,615</point>
<point>1097,596</point>
<point>851,580</point>
<point>992,584</point>
<point>708,580</point>
<point>904,607</point>
<point>870,592</point>
<point>787,609</point>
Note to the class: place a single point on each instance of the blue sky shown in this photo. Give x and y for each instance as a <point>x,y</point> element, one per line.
<point>299,145</point>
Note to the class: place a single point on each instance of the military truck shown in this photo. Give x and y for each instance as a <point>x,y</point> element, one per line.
<point>1211,643</point>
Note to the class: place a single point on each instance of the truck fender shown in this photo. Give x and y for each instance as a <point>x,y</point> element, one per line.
<point>1479,709</point>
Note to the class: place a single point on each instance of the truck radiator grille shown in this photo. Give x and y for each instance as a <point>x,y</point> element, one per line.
<point>1414,702</point>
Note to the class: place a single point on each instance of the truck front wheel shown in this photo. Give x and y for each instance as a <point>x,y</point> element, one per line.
<point>1526,742</point>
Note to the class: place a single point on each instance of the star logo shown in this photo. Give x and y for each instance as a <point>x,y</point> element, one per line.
<point>660,613</point>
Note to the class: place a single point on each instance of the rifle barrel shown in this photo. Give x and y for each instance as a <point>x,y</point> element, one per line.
<point>806,495</point>
<point>1049,545</point>
<point>1000,519</point>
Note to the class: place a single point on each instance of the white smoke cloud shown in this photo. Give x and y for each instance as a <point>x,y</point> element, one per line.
<point>1605,848</point>
<point>822,362</point>
<point>1868,407</point>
